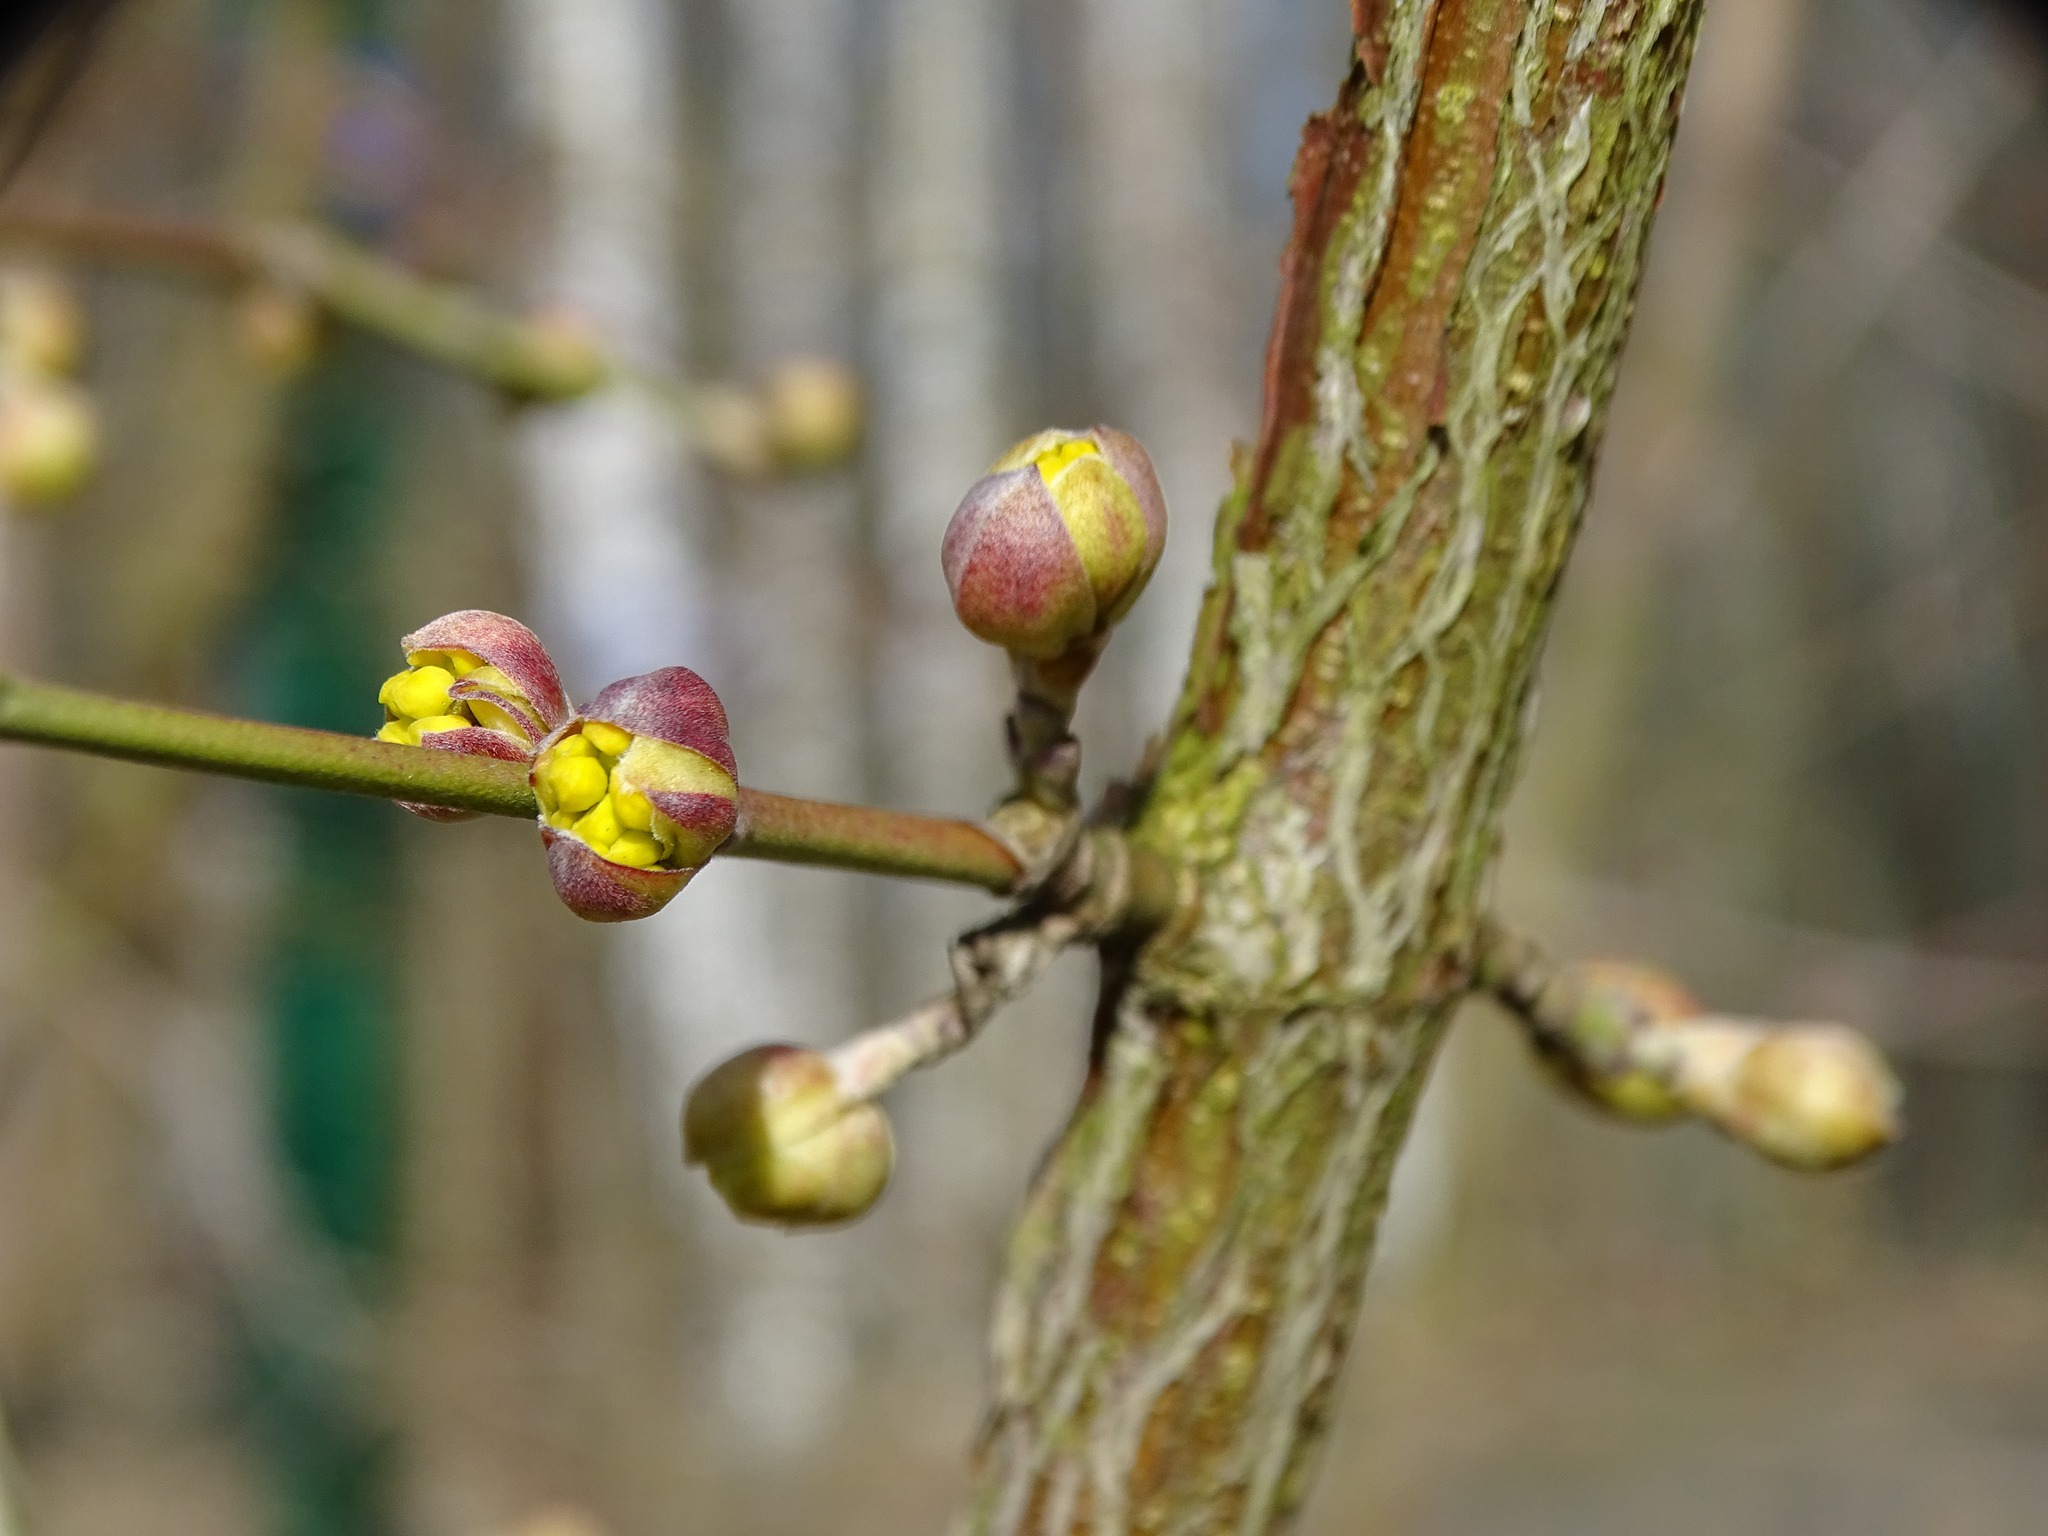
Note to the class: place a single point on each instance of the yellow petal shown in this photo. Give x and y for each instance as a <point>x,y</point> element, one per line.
<point>637,849</point>
<point>608,739</point>
<point>421,692</point>
<point>398,733</point>
<point>634,809</point>
<point>433,723</point>
<point>599,827</point>
<point>578,782</point>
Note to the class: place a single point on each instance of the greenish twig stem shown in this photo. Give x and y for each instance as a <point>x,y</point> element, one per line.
<point>770,827</point>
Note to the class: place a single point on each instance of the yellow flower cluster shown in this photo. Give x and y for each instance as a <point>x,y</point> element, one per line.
<point>417,702</point>
<point>585,788</point>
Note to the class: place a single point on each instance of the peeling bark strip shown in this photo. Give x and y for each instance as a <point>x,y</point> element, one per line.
<point>1470,222</point>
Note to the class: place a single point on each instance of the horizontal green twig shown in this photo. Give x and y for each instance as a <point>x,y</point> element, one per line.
<point>778,827</point>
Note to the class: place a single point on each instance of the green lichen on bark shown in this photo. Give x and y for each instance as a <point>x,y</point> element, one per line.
<point>1470,225</point>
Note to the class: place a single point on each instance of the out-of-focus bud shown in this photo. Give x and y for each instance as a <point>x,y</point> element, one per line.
<point>783,1143</point>
<point>1055,543</point>
<point>475,682</point>
<point>49,440</point>
<point>731,429</point>
<point>814,412</point>
<point>1813,1096</point>
<point>636,793</point>
<point>558,356</point>
<point>42,328</point>
<point>279,327</point>
<point>1617,998</point>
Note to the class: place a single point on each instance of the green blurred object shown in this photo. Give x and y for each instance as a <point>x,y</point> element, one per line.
<point>320,650</point>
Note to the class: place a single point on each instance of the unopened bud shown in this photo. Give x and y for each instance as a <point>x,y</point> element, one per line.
<point>558,356</point>
<point>1814,1096</point>
<point>1055,543</point>
<point>475,682</point>
<point>42,328</point>
<point>814,412</point>
<point>1616,999</point>
<point>49,440</point>
<point>279,327</point>
<point>636,793</point>
<point>732,431</point>
<point>783,1143</point>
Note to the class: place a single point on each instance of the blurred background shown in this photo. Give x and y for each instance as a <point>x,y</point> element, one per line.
<point>339,1187</point>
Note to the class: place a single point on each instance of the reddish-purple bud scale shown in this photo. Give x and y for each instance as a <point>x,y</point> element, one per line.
<point>672,704</point>
<point>600,891</point>
<point>503,643</point>
<point>1055,543</point>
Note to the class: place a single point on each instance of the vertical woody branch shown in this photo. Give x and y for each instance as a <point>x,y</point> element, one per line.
<point>1470,223</point>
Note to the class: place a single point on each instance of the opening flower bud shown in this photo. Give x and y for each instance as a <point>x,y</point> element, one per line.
<point>636,793</point>
<point>49,440</point>
<point>1814,1097</point>
<point>1054,544</point>
<point>783,1143</point>
<point>814,412</point>
<point>475,682</point>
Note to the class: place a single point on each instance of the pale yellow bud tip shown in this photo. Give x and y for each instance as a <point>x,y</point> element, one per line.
<point>49,441</point>
<point>1815,1096</point>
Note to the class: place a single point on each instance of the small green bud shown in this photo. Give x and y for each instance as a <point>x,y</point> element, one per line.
<point>814,412</point>
<point>1618,998</point>
<point>49,440</point>
<point>783,1143</point>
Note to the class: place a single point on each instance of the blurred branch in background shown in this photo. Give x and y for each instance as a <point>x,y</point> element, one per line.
<point>293,275</point>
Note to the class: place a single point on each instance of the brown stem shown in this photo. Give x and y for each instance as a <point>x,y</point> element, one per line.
<point>1470,221</point>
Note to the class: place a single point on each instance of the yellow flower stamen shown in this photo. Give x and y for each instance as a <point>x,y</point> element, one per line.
<point>417,702</point>
<point>608,739</point>
<point>1060,455</point>
<point>584,789</point>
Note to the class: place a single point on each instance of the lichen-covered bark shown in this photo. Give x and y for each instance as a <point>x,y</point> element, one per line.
<point>1470,222</point>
